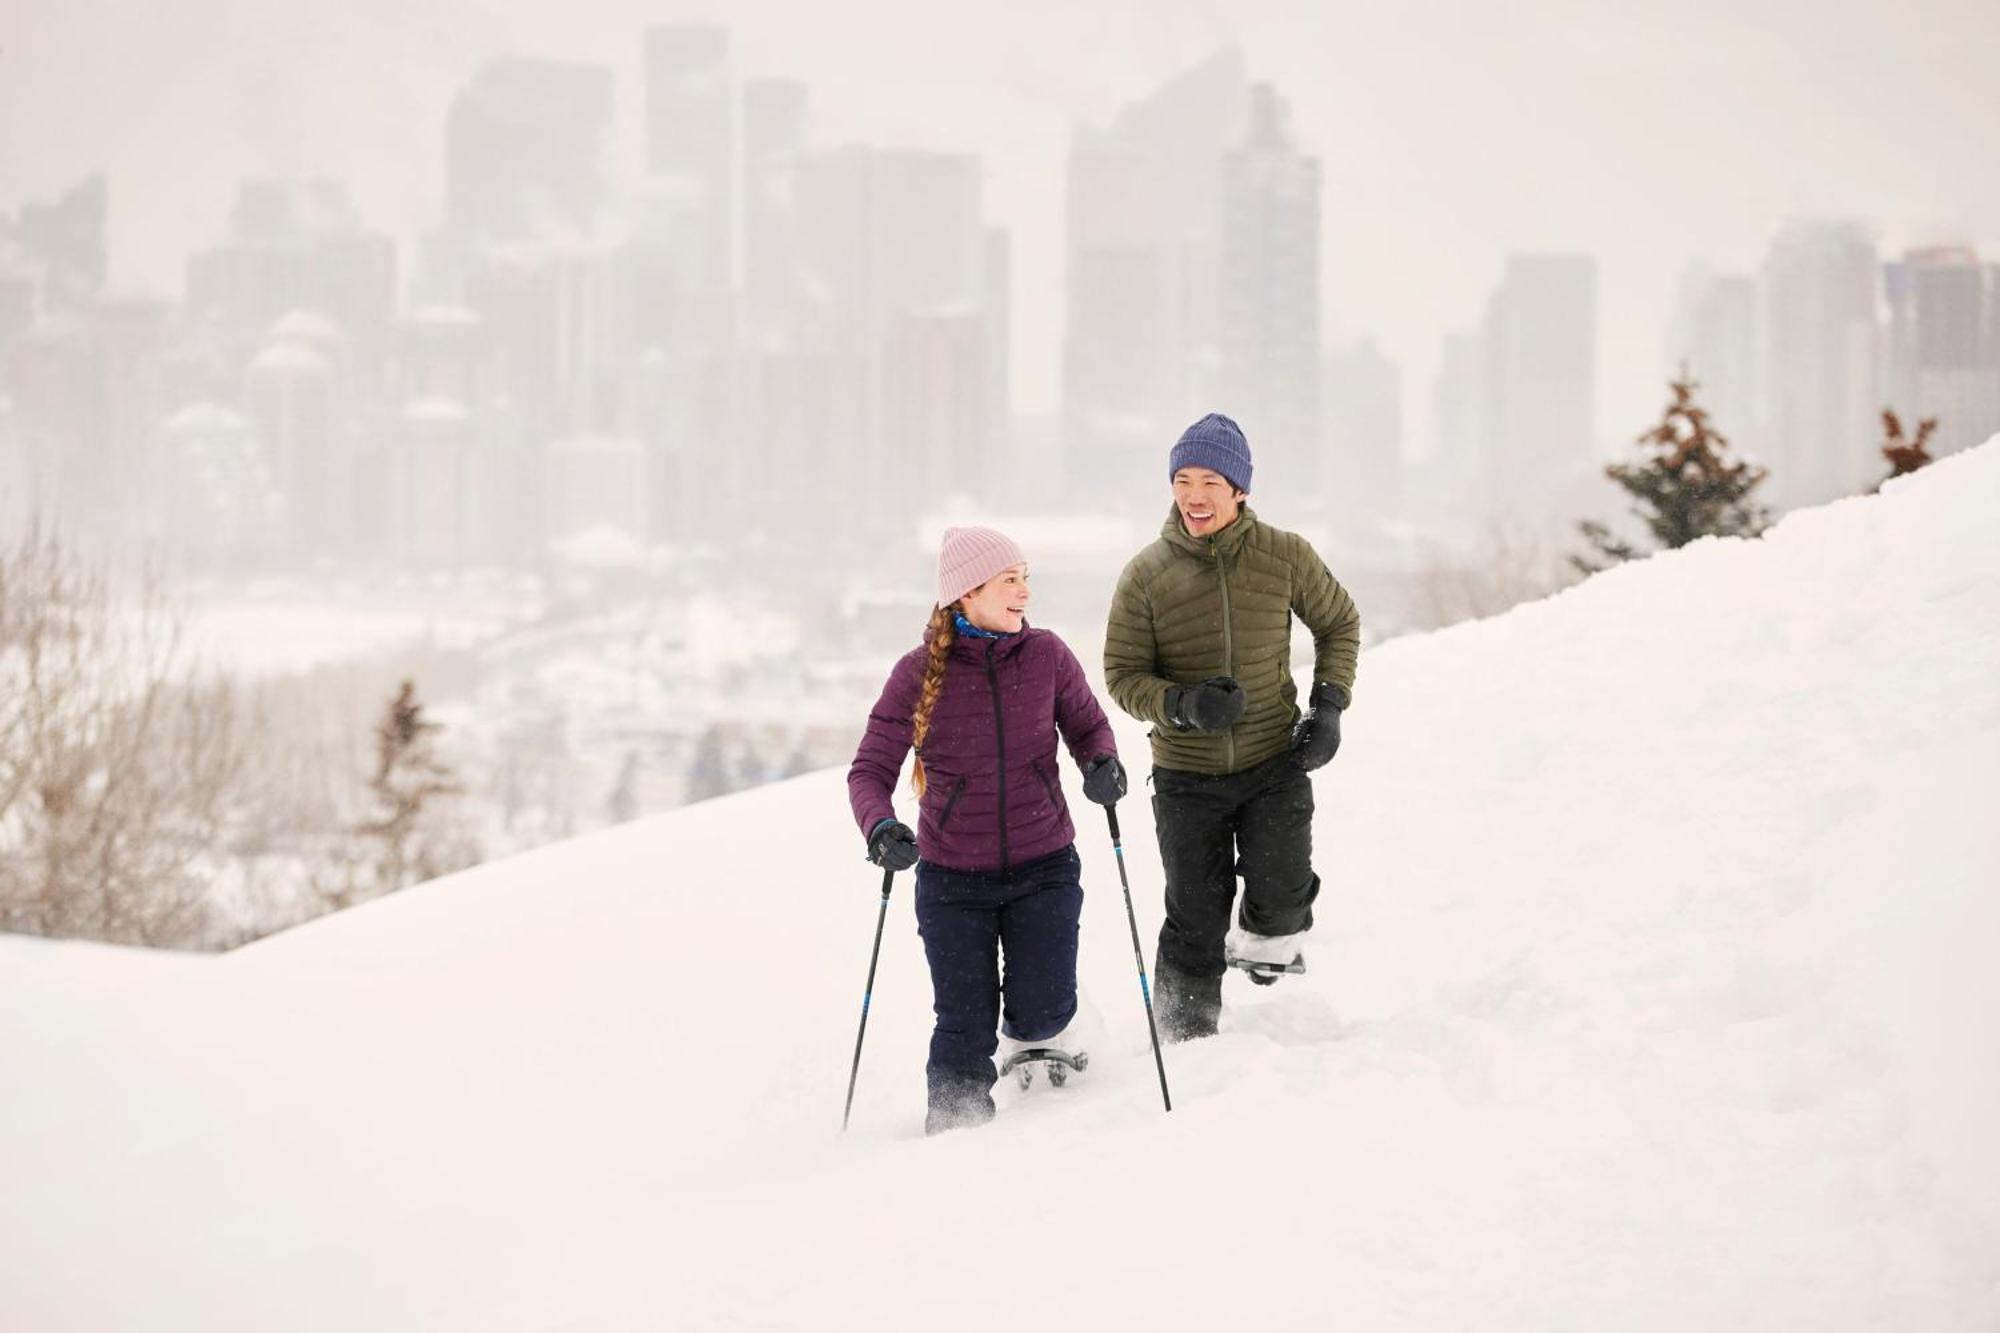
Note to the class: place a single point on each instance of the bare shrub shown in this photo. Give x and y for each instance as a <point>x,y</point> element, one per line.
<point>1505,571</point>
<point>119,764</point>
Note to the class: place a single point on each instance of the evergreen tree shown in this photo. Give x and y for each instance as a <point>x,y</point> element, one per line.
<point>709,771</point>
<point>1687,486</point>
<point>623,806</point>
<point>1906,456</point>
<point>409,781</point>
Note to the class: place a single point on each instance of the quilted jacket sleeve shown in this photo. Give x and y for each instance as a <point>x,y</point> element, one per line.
<point>1324,607</point>
<point>878,761</point>
<point>1131,652</point>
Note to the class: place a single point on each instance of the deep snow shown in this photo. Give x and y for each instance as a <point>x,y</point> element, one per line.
<point>1653,987</point>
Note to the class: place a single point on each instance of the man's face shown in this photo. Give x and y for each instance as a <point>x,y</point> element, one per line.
<point>1208,503</point>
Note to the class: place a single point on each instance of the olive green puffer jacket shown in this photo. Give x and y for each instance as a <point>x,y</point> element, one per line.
<point>1188,608</point>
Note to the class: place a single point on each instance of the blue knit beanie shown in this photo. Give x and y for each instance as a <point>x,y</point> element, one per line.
<point>1215,442</point>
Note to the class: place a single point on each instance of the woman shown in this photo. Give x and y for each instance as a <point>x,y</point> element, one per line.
<point>982,701</point>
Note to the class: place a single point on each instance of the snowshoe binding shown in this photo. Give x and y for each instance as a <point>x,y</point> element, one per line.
<point>1058,1064</point>
<point>1264,958</point>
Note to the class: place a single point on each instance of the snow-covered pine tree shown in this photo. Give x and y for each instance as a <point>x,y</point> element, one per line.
<point>1687,485</point>
<point>1903,455</point>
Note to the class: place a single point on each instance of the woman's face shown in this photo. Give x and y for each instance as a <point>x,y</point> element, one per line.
<point>1001,603</point>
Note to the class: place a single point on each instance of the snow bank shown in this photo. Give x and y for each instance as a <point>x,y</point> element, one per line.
<point>1652,988</point>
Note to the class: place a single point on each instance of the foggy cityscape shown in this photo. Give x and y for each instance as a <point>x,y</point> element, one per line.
<point>673,664</point>
<point>633,446</point>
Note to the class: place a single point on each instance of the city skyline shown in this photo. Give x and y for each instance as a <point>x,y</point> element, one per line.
<point>1582,118</point>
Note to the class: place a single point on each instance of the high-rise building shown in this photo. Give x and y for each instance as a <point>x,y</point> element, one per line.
<point>1713,335</point>
<point>682,266</point>
<point>936,426</point>
<point>1458,406</point>
<point>1363,454</point>
<point>890,237</point>
<point>56,377</point>
<point>1269,297</point>
<point>774,137</point>
<point>1142,350</point>
<point>1539,409</point>
<point>18,284</point>
<point>1992,352</point>
<point>997,309</point>
<point>441,488</point>
<point>524,151</point>
<point>295,397</point>
<point>595,482</point>
<point>689,144</point>
<point>298,246</point>
<point>799,416</point>
<point>218,507</point>
<point>64,238</point>
<point>1819,420</point>
<point>1943,361</point>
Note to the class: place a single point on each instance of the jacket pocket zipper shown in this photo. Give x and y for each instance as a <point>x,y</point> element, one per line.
<point>944,815</point>
<point>1040,772</point>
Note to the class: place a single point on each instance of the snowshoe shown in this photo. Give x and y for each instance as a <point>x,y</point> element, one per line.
<point>1264,958</point>
<point>1267,974</point>
<point>1059,1065</point>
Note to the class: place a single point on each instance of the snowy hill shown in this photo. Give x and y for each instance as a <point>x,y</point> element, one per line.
<point>1654,987</point>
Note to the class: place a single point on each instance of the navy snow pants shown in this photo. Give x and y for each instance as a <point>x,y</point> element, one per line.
<point>968,920</point>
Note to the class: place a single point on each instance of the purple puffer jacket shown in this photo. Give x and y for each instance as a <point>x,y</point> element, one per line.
<point>992,796</point>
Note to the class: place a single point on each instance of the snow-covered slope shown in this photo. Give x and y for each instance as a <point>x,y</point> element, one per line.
<point>1654,987</point>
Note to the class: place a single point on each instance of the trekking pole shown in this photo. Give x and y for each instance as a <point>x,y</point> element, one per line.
<point>1138,954</point>
<point>868,995</point>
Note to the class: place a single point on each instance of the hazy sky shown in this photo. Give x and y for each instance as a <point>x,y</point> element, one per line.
<point>1649,134</point>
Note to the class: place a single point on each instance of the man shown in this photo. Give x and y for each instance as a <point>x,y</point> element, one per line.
<point>1199,644</point>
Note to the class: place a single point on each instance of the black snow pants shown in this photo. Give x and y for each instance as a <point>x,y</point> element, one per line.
<point>1257,823</point>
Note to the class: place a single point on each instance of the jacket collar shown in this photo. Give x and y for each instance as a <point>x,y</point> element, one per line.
<point>1228,541</point>
<point>972,648</point>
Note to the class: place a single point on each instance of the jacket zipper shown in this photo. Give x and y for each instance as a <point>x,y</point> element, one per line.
<point>1228,645</point>
<point>1000,748</point>
<point>944,815</point>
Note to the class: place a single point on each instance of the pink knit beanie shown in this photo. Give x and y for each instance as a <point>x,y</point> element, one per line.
<point>969,557</point>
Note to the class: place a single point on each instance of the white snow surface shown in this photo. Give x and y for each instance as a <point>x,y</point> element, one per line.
<point>1654,986</point>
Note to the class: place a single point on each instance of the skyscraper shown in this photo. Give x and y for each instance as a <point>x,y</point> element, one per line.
<point>1539,407</point>
<point>1363,456</point>
<point>297,246</point>
<point>292,392</point>
<point>1819,292</point>
<point>893,251</point>
<point>65,239</point>
<point>774,131</point>
<point>1943,361</point>
<point>1142,349</point>
<point>1714,335</point>
<point>690,145</point>
<point>1269,296</point>
<point>524,147</point>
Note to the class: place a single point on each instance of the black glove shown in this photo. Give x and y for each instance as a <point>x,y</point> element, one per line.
<point>892,846</point>
<point>1216,704</point>
<point>1104,779</point>
<point>1316,738</point>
